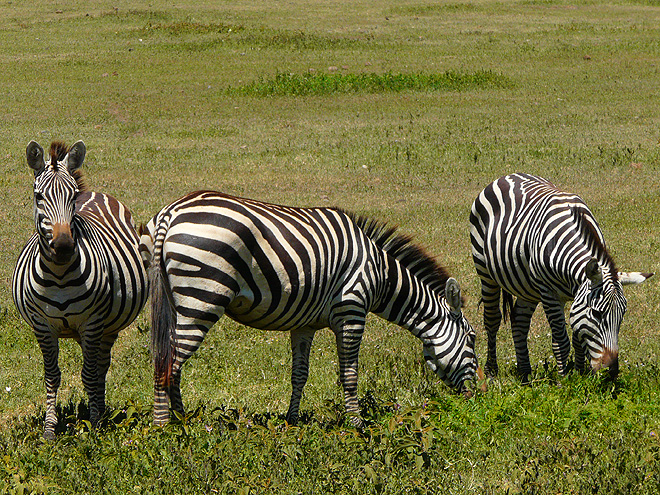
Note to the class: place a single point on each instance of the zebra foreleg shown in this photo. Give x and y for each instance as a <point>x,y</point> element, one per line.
<point>107,342</point>
<point>90,345</point>
<point>580,362</point>
<point>561,344</point>
<point>521,317</point>
<point>490,296</point>
<point>301,343</point>
<point>348,340</point>
<point>53,377</point>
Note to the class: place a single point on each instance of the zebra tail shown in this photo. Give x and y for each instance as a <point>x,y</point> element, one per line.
<point>507,304</point>
<point>163,323</point>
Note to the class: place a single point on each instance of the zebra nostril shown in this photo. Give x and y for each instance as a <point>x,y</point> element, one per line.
<point>63,247</point>
<point>610,357</point>
<point>610,360</point>
<point>614,369</point>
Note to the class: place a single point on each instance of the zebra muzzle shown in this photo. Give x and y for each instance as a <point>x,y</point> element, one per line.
<point>481,380</point>
<point>62,244</point>
<point>478,382</point>
<point>609,360</point>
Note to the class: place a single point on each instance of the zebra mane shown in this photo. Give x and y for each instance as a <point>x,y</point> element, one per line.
<point>58,151</point>
<point>401,247</point>
<point>591,236</point>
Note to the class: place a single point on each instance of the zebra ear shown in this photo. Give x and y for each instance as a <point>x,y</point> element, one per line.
<point>633,278</point>
<point>35,157</point>
<point>453,295</point>
<point>593,272</point>
<point>76,156</point>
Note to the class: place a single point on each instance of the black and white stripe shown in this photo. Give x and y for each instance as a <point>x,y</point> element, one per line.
<point>540,244</point>
<point>80,275</point>
<point>298,270</point>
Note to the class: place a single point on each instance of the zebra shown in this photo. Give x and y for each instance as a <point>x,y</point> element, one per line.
<point>80,275</point>
<point>533,241</point>
<point>299,270</point>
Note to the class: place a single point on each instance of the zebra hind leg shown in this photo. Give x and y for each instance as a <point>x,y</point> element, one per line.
<point>521,317</point>
<point>301,343</point>
<point>174,392</point>
<point>490,296</point>
<point>167,392</point>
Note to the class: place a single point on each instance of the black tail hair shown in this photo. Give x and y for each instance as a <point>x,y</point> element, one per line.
<point>163,322</point>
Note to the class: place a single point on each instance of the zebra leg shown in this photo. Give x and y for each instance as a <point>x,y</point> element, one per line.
<point>301,343</point>
<point>561,344</point>
<point>91,344</point>
<point>53,376</point>
<point>349,337</point>
<point>188,337</point>
<point>174,392</point>
<point>107,341</point>
<point>490,296</point>
<point>580,362</point>
<point>521,317</point>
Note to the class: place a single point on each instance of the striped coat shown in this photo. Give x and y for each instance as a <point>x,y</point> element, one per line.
<point>540,244</point>
<point>80,275</point>
<point>299,270</point>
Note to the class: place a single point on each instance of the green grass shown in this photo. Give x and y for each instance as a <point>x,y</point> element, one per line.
<point>328,84</point>
<point>585,432</point>
<point>331,103</point>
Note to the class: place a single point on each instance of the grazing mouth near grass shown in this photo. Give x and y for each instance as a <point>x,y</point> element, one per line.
<point>317,84</point>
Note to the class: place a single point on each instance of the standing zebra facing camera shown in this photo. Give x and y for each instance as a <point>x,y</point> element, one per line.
<point>540,244</point>
<point>80,275</point>
<point>299,270</point>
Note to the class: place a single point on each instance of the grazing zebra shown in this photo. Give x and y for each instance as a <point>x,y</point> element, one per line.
<point>80,275</point>
<point>531,240</point>
<point>298,270</point>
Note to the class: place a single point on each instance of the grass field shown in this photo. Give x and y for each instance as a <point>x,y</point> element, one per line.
<point>403,110</point>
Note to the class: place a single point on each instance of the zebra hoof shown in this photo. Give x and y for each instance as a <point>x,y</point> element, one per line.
<point>491,371</point>
<point>524,377</point>
<point>356,422</point>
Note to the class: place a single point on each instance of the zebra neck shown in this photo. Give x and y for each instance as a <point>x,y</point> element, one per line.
<point>407,300</point>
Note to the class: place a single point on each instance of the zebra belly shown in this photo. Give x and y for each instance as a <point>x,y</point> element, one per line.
<point>513,274</point>
<point>285,314</point>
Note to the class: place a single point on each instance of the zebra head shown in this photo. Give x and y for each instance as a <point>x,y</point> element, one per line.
<point>56,185</point>
<point>596,315</point>
<point>450,350</point>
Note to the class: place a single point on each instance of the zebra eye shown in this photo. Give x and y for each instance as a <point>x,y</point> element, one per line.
<point>38,196</point>
<point>596,314</point>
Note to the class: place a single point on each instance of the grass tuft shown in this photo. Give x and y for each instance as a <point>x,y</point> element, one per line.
<point>187,27</point>
<point>327,84</point>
